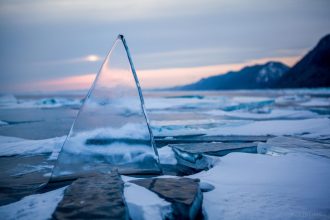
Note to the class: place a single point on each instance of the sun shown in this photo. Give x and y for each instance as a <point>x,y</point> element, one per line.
<point>92,58</point>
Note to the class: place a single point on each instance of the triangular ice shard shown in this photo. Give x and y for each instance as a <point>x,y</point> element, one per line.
<point>111,129</point>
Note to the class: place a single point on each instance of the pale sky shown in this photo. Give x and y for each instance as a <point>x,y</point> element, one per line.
<point>59,45</point>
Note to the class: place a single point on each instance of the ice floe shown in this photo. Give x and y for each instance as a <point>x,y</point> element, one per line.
<point>208,102</point>
<point>33,207</point>
<point>283,145</point>
<point>178,103</point>
<point>3,123</point>
<point>315,127</point>
<point>254,186</point>
<point>8,100</point>
<point>292,99</point>
<point>10,146</point>
<point>271,114</point>
<point>11,102</point>
<point>23,169</point>
<point>316,102</point>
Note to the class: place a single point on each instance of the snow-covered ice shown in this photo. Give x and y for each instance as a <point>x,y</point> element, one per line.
<point>144,204</point>
<point>315,127</point>
<point>33,207</point>
<point>167,156</point>
<point>10,146</point>
<point>317,102</point>
<point>250,99</point>
<point>292,185</point>
<point>22,169</point>
<point>318,127</point>
<point>173,103</point>
<point>254,186</point>
<point>8,99</point>
<point>11,102</point>
<point>292,99</point>
<point>283,145</point>
<point>3,123</point>
<point>272,114</point>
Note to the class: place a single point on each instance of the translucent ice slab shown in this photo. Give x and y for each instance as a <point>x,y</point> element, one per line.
<point>111,130</point>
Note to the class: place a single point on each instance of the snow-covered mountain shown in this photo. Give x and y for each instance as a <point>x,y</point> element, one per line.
<point>251,77</point>
<point>271,72</point>
<point>313,70</point>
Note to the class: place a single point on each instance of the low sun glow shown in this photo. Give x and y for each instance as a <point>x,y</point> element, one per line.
<point>92,58</point>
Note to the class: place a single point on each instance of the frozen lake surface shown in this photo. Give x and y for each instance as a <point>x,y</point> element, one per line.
<point>282,183</point>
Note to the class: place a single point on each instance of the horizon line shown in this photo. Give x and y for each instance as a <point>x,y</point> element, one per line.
<point>149,78</point>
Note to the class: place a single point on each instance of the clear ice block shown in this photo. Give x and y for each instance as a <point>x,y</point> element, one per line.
<point>111,130</point>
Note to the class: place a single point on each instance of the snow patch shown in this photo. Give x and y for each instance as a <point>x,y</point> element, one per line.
<point>167,156</point>
<point>144,204</point>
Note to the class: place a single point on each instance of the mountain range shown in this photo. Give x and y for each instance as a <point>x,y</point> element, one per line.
<point>313,70</point>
